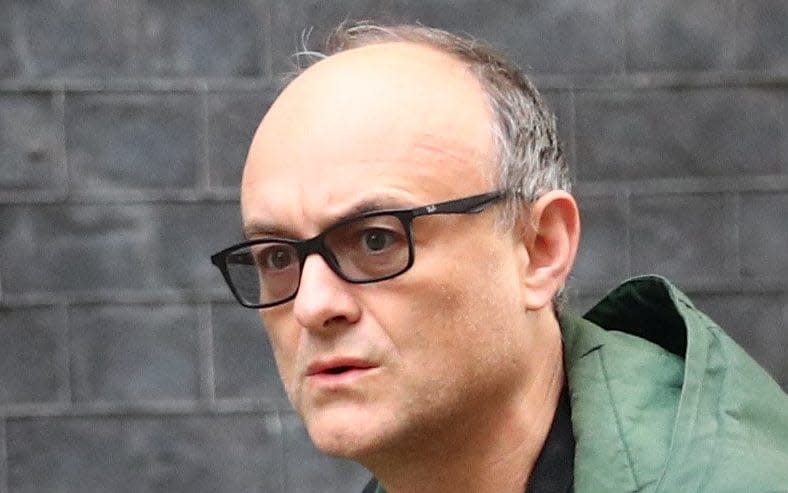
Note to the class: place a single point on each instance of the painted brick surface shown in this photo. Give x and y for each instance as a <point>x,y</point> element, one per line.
<point>3,462</point>
<point>52,248</point>
<point>689,239</point>
<point>200,38</point>
<point>133,140</point>
<point>680,35</point>
<point>151,454</point>
<point>133,353</point>
<point>125,365</point>
<point>33,363</point>
<point>764,236</point>
<point>233,118</point>
<point>762,35</point>
<point>10,63</point>
<point>563,36</point>
<point>603,256</point>
<point>681,133</point>
<point>80,38</point>
<point>31,141</point>
<point>243,362</point>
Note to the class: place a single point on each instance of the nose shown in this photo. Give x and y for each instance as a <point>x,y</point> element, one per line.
<point>323,299</point>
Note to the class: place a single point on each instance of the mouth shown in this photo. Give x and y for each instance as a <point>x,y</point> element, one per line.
<point>337,370</point>
<point>338,366</point>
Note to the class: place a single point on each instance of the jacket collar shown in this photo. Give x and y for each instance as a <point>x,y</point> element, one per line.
<point>614,412</point>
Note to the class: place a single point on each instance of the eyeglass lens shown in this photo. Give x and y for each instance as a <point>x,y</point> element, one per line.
<point>363,250</point>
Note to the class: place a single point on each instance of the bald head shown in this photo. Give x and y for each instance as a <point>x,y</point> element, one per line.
<point>383,87</point>
<point>372,105</point>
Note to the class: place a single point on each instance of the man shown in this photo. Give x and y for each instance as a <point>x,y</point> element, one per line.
<point>410,230</point>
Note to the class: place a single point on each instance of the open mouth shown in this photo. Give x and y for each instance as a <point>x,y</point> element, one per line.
<point>340,369</point>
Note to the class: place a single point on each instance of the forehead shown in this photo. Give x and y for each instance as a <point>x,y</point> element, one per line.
<point>393,120</point>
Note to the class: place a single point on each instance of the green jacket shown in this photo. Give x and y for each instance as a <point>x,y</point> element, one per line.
<point>688,411</point>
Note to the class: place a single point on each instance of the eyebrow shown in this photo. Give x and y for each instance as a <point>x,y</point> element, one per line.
<point>257,229</point>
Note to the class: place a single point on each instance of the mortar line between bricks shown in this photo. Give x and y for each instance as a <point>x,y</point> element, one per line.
<point>125,197</point>
<point>118,297</point>
<point>19,40</point>
<point>136,408</point>
<point>152,297</point>
<point>622,35</point>
<point>283,469</point>
<point>204,169</point>
<point>683,185</point>
<point>206,364</point>
<point>572,151</point>
<point>623,12</point>
<point>65,181</point>
<point>66,363</point>
<point>3,456</point>
<point>131,85</point>
<point>628,233</point>
<point>736,198</point>
<point>134,63</point>
<point>579,81</point>
<point>731,14</point>
<point>231,195</point>
<point>267,64</point>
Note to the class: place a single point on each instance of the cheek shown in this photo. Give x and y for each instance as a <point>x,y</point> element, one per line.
<point>477,310</point>
<point>452,319</point>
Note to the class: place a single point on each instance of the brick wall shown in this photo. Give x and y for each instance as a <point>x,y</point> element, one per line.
<point>124,365</point>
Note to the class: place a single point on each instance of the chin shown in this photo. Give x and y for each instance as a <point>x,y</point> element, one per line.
<point>344,433</point>
<point>339,441</point>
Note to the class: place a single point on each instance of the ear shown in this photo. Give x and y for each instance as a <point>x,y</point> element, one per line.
<point>550,232</point>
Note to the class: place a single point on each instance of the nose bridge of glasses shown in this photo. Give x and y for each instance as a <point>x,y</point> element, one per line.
<point>317,245</point>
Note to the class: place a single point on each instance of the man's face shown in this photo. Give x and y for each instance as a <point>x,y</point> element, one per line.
<point>374,367</point>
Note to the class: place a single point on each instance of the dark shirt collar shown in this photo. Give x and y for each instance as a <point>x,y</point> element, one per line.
<point>554,469</point>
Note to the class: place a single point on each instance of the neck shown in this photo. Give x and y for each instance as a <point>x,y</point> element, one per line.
<point>491,448</point>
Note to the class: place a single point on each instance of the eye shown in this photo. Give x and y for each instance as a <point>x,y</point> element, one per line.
<point>277,258</point>
<point>376,239</point>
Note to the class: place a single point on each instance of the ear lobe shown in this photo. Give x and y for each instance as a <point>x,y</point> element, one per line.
<point>551,237</point>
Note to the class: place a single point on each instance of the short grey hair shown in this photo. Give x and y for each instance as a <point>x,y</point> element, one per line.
<point>530,161</point>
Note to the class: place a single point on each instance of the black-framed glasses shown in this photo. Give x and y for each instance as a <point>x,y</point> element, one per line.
<point>371,247</point>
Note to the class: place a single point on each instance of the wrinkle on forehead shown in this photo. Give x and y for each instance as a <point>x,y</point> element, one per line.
<point>450,150</point>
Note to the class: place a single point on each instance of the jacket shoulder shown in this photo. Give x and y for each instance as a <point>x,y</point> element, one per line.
<point>673,401</point>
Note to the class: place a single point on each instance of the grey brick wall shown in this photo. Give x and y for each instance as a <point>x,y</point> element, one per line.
<point>124,365</point>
